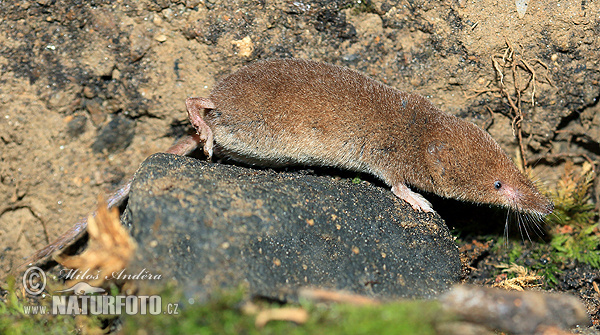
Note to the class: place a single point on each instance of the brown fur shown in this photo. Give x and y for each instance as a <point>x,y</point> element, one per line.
<point>292,111</point>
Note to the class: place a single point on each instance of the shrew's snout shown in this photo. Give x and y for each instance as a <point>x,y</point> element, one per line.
<point>527,200</point>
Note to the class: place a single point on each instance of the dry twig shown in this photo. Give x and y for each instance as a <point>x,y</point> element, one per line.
<point>524,278</point>
<point>297,315</point>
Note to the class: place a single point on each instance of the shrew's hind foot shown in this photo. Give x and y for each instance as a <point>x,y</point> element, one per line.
<point>195,108</point>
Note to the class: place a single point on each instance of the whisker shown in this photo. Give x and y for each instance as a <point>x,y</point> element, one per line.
<point>557,218</point>
<point>538,222</point>
<point>506,228</point>
<point>520,227</point>
<point>524,223</point>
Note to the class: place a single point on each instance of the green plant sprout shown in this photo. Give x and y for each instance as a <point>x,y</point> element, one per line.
<point>575,232</point>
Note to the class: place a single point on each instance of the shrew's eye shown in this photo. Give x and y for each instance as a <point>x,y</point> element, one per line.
<point>497,185</point>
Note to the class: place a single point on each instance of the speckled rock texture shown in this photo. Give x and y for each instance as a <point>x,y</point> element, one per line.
<point>210,225</point>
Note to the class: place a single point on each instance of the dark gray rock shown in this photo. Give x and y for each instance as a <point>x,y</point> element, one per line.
<point>76,126</point>
<point>116,135</point>
<point>210,225</point>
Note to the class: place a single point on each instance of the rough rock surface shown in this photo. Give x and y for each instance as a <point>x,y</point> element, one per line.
<point>212,225</point>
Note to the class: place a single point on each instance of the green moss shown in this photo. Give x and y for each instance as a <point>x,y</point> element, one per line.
<point>582,245</point>
<point>548,264</point>
<point>222,314</point>
<point>15,320</point>
<point>515,252</point>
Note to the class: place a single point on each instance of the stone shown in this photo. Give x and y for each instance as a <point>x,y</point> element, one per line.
<point>208,225</point>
